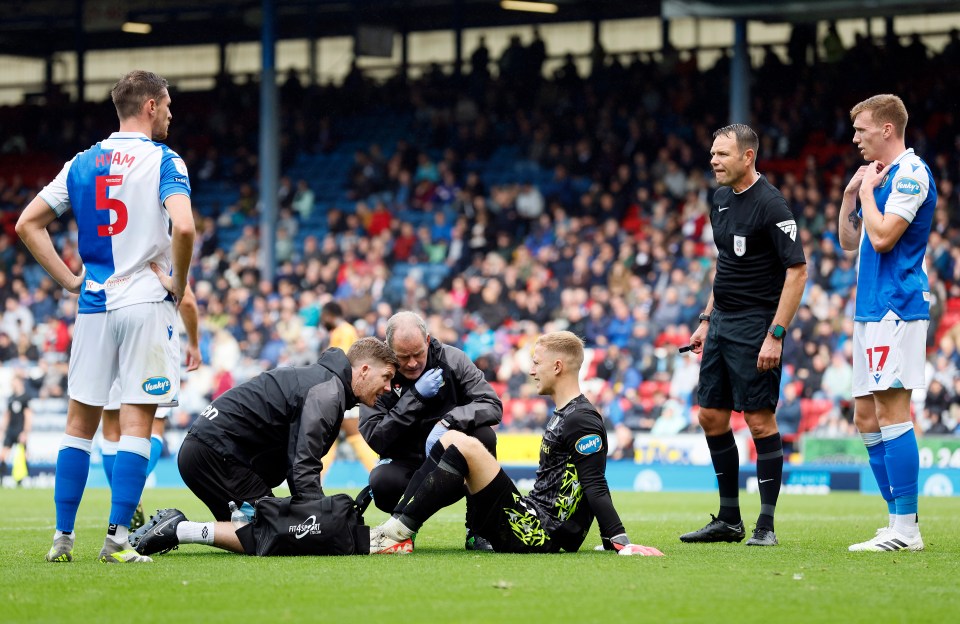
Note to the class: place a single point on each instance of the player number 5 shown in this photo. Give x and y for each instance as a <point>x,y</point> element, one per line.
<point>106,203</point>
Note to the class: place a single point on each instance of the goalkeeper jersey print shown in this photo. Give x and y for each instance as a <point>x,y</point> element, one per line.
<point>116,190</point>
<point>571,487</point>
<point>894,285</point>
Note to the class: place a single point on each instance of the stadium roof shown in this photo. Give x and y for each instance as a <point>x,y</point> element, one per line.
<point>39,28</point>
<point>803,10</point>
<point>188,22</point>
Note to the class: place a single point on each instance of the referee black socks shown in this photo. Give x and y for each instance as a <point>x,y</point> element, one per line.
<point>726,465</point>
<point>769,476</point>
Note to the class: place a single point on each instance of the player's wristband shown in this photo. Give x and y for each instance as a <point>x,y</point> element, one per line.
<point>616,542</point>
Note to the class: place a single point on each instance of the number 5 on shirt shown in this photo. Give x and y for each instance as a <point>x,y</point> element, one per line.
<point>104,202</point>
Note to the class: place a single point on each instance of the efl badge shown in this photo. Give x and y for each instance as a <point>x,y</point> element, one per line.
<point>739,245</point>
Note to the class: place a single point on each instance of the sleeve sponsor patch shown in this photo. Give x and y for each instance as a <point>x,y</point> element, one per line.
<point>180,165</point>
<point>907,186</point>
<point>589,444</point>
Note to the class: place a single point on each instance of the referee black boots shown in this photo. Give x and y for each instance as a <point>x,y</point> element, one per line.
<point>716,531</point>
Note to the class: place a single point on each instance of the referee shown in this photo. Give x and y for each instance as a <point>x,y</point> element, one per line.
<point>761,272</point>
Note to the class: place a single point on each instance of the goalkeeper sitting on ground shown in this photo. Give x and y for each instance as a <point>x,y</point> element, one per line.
<point>570,490</point>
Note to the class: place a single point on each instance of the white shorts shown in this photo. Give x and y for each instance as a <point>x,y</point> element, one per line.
<point>137,345</point>
<point>114,402</point>
<point>889,354</point>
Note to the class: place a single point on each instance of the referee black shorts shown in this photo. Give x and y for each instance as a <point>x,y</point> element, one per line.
<point>217,480</point>
<point>729,378</point>
<point>506,520</point>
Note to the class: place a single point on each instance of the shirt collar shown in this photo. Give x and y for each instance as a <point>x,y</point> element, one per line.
<point>129,135</point>
<point>569,407</point>
<point>902,155</point>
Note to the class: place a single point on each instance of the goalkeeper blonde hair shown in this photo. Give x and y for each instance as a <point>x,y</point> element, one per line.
<point>566,344</point>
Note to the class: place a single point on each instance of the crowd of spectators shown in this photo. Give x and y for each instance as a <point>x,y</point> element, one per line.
<point>601,227</point>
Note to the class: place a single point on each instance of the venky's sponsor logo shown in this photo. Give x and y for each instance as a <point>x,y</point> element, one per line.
<point>589,444</point>
<point>157,386</point>
<point>908,186</point>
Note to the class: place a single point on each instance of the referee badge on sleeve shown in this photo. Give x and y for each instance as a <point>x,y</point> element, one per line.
<point>739,245</point>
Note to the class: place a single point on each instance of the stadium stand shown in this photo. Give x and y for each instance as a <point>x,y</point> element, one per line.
<point>581,205</point>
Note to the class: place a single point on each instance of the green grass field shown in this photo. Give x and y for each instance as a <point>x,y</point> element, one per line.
<point>810,577</point>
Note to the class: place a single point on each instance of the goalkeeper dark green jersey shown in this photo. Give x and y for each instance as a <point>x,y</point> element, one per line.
<point>571,487</point>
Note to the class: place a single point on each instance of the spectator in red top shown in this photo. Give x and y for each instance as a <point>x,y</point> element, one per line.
<point>404,243</point>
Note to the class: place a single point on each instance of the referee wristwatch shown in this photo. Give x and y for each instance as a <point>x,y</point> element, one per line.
<point>777,331</point>
<point>704,317</point>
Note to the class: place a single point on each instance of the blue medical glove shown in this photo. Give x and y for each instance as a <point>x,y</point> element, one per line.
<point>435,434</point>
<point>429,384</point>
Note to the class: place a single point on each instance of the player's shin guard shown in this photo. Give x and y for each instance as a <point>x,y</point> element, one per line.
<point>129,475</point>
<point>903,467</point>
<point>440,488</point>
<point>428,466</point>
<point>726,465</point>
<point>73,466</point>
<point>769,476</point>
<point>878,464</point>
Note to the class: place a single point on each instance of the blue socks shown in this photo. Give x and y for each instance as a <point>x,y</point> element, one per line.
<point>877,452</point>
<point>73,467</point>
<point>129,475</point>
<point>156,450</point>
<point>108,452</point>
<point>902,459</point>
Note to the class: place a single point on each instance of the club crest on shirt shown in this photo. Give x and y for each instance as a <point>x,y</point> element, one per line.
<point>739,245</point>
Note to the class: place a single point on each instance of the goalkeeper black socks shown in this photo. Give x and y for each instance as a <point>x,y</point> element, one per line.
<point>428,466</point>
<point>726,465</point>
<point>769,476</point>
<point>441,488</point>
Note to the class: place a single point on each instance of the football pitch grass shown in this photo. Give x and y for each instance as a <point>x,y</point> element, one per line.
<point>810,577</point>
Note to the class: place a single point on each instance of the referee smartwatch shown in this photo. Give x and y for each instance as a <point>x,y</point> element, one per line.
<point>704,317</point>
<point>777,331</point>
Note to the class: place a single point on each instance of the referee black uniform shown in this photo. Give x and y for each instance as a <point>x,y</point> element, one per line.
<point>756,238</point>
<point>757,242</point>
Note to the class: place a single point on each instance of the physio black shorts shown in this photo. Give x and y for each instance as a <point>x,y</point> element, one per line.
<point>217,480</point>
